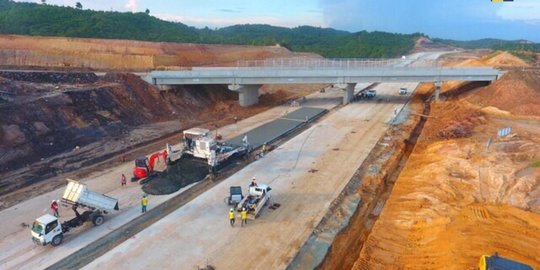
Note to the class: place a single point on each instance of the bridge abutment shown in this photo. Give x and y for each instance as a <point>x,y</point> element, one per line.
<point>248,94</point>
<point>165,87</point>
<point>348,91</point>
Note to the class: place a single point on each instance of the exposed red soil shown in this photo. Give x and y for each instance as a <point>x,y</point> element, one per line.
<point>101,54</point>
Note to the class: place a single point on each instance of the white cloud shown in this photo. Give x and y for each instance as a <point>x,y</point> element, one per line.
<point>131,5</point>
<point>523,10</point>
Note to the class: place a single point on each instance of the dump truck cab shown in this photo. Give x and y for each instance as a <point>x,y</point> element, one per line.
<point>47,230</point>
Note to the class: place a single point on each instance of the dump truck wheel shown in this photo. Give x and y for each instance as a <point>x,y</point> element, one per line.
<point>57,240</point>
<point>98,220</point>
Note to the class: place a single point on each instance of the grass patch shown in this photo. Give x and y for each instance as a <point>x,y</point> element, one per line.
<point>535,164</point>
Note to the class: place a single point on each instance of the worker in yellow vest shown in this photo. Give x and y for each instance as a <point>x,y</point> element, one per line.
<point>231,217</point>
<point>144,203</point>
<point>243,214</point>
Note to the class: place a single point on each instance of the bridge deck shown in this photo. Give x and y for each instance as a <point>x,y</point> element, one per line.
<point>261,75</point>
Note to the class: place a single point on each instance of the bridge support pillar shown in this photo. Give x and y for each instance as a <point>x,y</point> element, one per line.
<point>437,90</point>
<point>248,94</point>
<point>348,91</point>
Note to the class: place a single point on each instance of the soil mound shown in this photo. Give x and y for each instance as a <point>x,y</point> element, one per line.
<point>459,198</point>
<point>480,59</point>
<point>180,174</point>
<point>517,92</point>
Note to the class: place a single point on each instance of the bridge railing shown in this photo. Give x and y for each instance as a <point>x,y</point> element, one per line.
<point>342,63</point>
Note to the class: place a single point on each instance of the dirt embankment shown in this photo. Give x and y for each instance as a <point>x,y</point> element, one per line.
<point>101,54</point>
<point>59,122</point>
<point>464,192</point>
<point>424,44</point>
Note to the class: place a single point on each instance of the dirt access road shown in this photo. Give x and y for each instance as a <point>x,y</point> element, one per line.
<point>306,174</point>
<point>17,251</point>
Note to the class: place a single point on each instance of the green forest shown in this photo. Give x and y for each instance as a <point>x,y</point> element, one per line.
<point>49,20</point>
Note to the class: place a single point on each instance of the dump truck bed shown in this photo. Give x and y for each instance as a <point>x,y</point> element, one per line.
<point>78,193</point>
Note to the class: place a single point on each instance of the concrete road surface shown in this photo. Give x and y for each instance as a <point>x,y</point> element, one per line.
<point>17,251</point>
<point>306,174</point>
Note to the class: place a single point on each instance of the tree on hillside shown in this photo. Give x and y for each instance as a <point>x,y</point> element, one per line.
<point>44,2</point>
<point>147,11</point>
<point>78,5</point>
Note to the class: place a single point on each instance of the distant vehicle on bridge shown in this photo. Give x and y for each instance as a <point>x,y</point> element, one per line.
<point>403,91</point>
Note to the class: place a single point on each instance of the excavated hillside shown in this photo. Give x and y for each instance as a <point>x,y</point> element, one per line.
<point>99,54</point>
<point>465,192</point>
<point>58,122</point>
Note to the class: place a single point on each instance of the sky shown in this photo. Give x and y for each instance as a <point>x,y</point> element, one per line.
<point>453,19</point>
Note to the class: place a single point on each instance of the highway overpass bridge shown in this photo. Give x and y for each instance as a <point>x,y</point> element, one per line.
<point>248,76</point>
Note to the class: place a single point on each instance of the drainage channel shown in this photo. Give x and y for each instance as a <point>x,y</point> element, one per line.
<point>338,239</point>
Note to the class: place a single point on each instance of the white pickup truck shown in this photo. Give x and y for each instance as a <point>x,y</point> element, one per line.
<point>403,91</point>
<point>371,93</point>
<point>47,229</point>
<point>256,199</point>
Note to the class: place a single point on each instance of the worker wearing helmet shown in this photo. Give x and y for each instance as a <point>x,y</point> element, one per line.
<point>243,214</point>
<point>253,182</point>
<point>231,217</point>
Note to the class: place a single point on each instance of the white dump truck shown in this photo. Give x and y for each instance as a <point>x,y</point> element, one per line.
<point>254,202</point>
<point>47,229</point>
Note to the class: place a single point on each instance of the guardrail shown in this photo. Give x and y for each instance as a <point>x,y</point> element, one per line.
<point>341,63</point>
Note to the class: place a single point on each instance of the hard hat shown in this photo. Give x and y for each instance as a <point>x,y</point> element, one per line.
<point>53,200</point>
<point>243,209</point>
<point>253,177</point>
<point>232,210</point>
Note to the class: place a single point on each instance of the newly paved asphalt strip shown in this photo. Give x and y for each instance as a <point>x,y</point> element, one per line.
<point>278,128</point>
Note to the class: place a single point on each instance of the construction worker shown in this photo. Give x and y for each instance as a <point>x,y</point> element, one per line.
<point>263,150</point>
<point>231,217</point>
<point>253,182</point>
<point>54,208</point>
<point>243,214</point>
<point>123,180</point>
<point>144,203</point>
<point>245,141</point>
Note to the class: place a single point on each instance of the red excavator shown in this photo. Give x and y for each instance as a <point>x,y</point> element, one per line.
<point>144,166</point>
